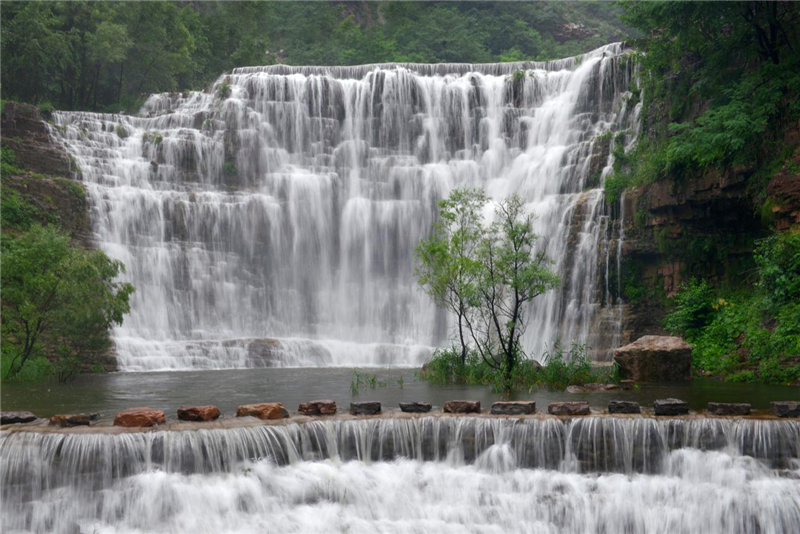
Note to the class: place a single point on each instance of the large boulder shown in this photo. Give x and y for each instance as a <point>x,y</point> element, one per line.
<point>514,408</point>
<point>462,406</point>
<point>568,408</point>
<point>74,419</point>
<point>143,416</point>
<point>415,407</point>
<point>198,413</point>
<point>655,358</point>
<point>11,418</point>
<point>365,408</point>
<point>318,407</point>
<point>264,410</point>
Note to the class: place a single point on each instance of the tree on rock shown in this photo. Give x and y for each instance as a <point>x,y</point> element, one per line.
<point>58,295</point>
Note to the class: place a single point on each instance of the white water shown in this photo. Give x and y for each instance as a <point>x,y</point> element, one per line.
<point>290,210</point>
<point>603,475</point>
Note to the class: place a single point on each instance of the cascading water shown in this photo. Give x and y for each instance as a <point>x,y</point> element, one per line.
<point>273,220</point>
<point>427,474</point>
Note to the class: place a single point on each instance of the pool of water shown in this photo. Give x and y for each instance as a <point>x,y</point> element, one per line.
<point>109,393</point>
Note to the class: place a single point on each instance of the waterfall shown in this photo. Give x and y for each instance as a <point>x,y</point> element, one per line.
<point>272,220</point>
<point>442,474</point>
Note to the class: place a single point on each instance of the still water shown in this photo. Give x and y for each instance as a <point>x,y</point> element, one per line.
<point>227,389</point>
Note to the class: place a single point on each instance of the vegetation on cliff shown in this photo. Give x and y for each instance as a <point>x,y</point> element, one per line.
<point>59,299</point>
<point>105,55</point>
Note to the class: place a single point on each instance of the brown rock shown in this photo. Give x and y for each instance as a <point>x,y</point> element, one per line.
<point>568,408</point>
<point>265,410</point>
<point>198,413</point>
<point>318,407</point>
<point>655,358</point>
<point>143,416</point>
<point>514,408</point>
<point>75,419</point>
<point>462,406</point>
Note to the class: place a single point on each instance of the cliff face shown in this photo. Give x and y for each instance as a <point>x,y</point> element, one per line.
<point>704,228</point>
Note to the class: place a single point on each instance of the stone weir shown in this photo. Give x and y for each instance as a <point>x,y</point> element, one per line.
<point>34,459</point>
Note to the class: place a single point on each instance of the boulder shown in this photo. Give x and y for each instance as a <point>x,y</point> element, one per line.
<point>365,408</point>
<point>415,407</point>
<point>318,407</point>
<point>729,408</point>
<point>655,358</point>
<point>462,406</point>
<point>198,413</point>
<point>143,416</point>
<point>592,388</point>
<point>74,419</point>
<point>264,410</point>
<point>513,408</point>
<point>568,408</point>
<point>786,408</point>
<point>621,406</point>
<point>10,418</point>
<point>670,407</point>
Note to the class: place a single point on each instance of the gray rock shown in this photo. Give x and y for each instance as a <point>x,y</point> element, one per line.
<point>10,418</point>
<point>415,407</point>
<point>621,406</point>
<point>729,408</point>
<point>786,408</point>
<point>365,408</point>
<point>462,406</point>
<point>568,408</point>
<point>592,387</point>
<point>670,407</point>
<point>655,358</point>
<point>514,408</point>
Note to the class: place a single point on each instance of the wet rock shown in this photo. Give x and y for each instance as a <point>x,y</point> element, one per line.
<point>655,358</point>
<point>318,407</point>
<point>142,416</point>
<point>728,408</point>
<point>198,413</point>
<point>10,418</point>
<point>592,388</point>
<point>514,407</point>
<point>786,408</point>
<point>670,407</point>
<point>74,419</point>
<point>415,407</point>
<point>627,384</point>
<point>462,406</point>
<point>621,406</point>
<point>264,410</point>
<point>365,408</point>
<point>568,408</point>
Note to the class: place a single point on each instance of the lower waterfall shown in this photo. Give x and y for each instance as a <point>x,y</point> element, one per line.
<point>403,475</point>
<point>272,220</point>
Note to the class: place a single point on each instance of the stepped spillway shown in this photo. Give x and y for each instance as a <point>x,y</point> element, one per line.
<point>272,220</point>
<point>403,474</point>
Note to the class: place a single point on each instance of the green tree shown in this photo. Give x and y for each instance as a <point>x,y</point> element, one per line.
<point>448,268</point>
<point>486,276</point>
<point>58,294</point>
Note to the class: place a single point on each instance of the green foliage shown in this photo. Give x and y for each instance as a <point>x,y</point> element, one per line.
<point>105,55</point>
<point>360,381</point>
<point>230,169</point>
<point>36,369</point>
<point>224,90</point>
<point>15,212</point>
<point>60,296</point>
<point>750,334</point>
<point>558,370</point>
<point>8,161</point>
<point>74,188</point>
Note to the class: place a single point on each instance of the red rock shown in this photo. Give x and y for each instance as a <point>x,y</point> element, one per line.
<point>73,419</point>
<point>142,416</point>
<point>462,406</point>
<point>198,413</point>
<point>265,410</point>
<point>318,407</point>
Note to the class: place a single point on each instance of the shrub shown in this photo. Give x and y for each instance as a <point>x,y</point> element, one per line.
<point>694,308</point>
